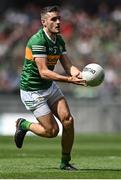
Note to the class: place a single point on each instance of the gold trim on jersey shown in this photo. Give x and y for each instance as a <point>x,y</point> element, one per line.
<point>28,54</point>
<point>52,59</point>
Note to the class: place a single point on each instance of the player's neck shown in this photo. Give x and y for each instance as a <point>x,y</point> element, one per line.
<point>50,35</point>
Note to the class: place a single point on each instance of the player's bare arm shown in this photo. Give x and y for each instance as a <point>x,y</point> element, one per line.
<point>45,73</point>
<point>69,67</point>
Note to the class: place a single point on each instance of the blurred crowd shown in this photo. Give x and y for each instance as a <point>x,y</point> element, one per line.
<point>89,38</point>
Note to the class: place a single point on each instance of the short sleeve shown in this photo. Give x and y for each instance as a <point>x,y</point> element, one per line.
<point>38,47</point>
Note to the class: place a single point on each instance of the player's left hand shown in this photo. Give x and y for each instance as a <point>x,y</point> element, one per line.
<point>80,75</point>
<point>75,71</point>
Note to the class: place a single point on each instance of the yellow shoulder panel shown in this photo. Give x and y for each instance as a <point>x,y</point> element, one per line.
<point>28,54</point>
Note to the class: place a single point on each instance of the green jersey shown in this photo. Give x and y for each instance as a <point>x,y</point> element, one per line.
<point>40,45</point>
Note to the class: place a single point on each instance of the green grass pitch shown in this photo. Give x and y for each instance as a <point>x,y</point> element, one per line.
<point>96,157</point>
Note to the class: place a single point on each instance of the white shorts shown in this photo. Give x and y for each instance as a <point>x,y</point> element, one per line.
<point>39,101</point>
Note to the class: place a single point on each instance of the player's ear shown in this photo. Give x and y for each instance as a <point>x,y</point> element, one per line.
<point>43,21</point>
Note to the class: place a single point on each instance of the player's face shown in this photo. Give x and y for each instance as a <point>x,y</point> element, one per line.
<point>52,22</point>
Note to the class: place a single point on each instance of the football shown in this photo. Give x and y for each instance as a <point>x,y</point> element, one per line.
<point>94,74</point>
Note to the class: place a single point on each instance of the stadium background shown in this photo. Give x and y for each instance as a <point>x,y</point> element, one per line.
<point>92,31</point>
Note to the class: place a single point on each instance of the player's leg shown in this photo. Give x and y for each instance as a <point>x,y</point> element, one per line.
<point>60,109</point>
<point>46,126</point>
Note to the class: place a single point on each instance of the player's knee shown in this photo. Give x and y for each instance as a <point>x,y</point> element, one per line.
<point>52,132</point>
<point>68,122</point>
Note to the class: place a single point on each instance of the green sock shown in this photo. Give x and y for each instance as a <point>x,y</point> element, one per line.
<point>25,125</point>
<point>66,157</point>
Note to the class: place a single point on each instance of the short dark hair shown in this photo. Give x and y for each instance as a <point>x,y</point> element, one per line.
<point>47,9</point>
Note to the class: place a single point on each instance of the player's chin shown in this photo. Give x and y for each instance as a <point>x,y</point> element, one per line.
<point>57,30</point>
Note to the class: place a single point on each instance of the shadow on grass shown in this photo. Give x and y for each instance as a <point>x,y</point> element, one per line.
<point>80,169</point>
<point>99,169</point>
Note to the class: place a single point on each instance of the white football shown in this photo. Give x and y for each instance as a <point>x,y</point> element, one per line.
<point>94,74</point>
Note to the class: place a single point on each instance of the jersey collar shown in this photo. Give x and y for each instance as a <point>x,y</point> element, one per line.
<point>49,37</point>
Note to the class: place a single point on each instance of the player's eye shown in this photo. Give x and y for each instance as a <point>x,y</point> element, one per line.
<point>56,18</point>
